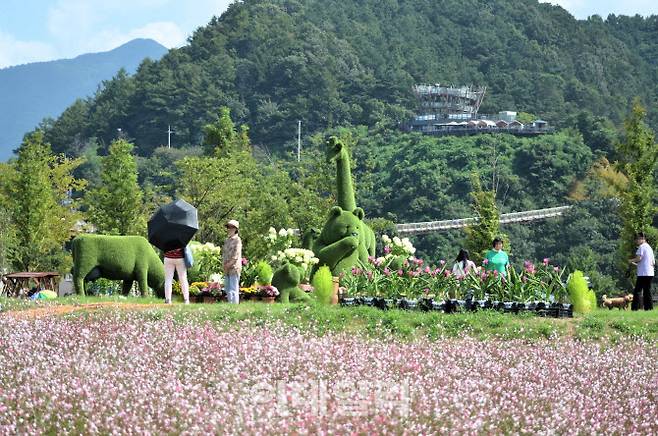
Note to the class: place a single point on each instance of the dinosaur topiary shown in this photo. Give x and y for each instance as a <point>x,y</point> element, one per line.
<point>126,258</point>
<point>345,239</point>
<point>286,279</point>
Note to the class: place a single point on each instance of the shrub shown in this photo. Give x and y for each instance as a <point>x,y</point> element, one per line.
<point>582,298</point>
<point>103,286</point>
<point>323,284</point>
<point>264,273</point>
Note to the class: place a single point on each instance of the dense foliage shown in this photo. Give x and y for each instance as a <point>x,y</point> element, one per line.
<point>329,63</point>
<point>36,208</point>
<point>346,69</point>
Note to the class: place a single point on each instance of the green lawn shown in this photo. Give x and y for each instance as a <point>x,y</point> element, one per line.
<point>602,324</point>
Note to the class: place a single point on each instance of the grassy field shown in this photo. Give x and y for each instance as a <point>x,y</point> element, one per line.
<point>602,324</point>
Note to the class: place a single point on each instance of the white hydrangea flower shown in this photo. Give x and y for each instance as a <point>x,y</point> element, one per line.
<point>283,233</point>
<point>386,239</point>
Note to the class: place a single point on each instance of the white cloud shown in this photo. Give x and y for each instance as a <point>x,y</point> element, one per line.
<point>15,52</point>
<point>570,5</point>
<point>166,33</point>
<point>83,26</point>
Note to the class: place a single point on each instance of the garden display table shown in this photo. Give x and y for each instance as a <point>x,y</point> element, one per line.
<point>16,283</point>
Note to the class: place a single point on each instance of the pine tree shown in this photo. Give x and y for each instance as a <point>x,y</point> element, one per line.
<point>487,226</point>
<point>221,136</point>
<point>638,158</point>
<point>41,210</point>
<point>116,206</point>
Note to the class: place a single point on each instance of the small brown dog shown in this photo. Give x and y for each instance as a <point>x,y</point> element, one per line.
<point>620,302</point>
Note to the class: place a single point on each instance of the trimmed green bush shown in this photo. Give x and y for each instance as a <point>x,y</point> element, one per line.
<point>264,273</point>
<point>582,298</point>
<point>323,284</point>
<point>126,258</point>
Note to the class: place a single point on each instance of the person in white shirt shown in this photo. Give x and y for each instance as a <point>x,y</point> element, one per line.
<point>645,262</point>
<point>463,265</point>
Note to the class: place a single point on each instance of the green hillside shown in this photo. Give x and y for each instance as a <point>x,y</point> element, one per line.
<point>330,63</point>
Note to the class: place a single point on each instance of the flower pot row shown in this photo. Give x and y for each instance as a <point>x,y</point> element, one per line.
<point>540,308</point>
<point>210,299</point>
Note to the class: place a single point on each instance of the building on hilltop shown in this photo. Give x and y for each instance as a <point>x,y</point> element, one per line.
<point>450,110</point>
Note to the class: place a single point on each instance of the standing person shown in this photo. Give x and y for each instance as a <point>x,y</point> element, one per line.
<point>645,262</point>
<point>232,260</point>
<point>497,259</point>
<point>174,260</point>
<point>463,265</point>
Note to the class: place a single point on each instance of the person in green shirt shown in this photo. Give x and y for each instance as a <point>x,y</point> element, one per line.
<point>497,259</point>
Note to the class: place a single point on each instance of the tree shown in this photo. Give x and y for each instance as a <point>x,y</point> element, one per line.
<point>42,213</point>
<point>221,137</point>
<point>487,226</point>
<point>638,158</point>
<point>116,206</point>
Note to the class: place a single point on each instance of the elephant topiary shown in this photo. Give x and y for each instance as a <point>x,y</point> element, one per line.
<point>126,258</point>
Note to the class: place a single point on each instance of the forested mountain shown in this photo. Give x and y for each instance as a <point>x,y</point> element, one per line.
<point>30,92</point>
<point>330,62</point>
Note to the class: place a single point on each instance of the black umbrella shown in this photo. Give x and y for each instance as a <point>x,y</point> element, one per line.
<point>173,225</point>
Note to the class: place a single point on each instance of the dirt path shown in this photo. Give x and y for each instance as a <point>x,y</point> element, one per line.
<point>58,310</point>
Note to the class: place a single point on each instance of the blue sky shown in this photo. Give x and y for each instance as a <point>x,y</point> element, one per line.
<point>39,30</point>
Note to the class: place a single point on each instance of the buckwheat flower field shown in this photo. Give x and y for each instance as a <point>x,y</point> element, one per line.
<point>135,373</point>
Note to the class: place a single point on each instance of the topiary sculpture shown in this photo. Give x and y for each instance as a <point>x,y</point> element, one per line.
<point>345,239</point>
<point>286,279</point>
<point>126,258</point>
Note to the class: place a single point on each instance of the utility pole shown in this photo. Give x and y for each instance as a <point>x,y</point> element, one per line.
<point>169,132</point>
<point>299,140</point>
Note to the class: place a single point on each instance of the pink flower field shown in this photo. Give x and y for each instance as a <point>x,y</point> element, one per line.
<point>136,373</point>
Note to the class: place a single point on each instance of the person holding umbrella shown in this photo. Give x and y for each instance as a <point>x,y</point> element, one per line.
<point>174,260</point>
<point>170,229</point>
<point>232,260</point>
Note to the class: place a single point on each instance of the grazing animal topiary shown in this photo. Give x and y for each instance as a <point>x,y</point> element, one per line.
<point>126,258</point>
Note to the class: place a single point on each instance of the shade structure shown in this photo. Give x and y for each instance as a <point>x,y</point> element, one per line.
<point>173,225</point>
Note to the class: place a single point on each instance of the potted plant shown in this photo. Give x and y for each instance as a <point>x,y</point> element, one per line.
<point>249,293</point>
<point>267,293</point>
<point>194,291</point>
<point>211,293</point>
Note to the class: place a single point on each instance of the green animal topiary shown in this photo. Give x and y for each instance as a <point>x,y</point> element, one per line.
<point>286,279</point>
<point>582,298</point>
<point>323,285</point>
<point>126,258</point>
<point>338,243</point>
<point>335,246</point>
